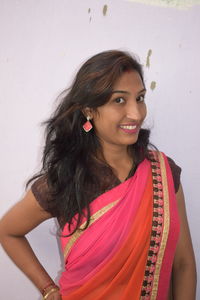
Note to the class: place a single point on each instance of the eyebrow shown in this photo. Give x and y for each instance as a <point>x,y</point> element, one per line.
<point>126,92</point>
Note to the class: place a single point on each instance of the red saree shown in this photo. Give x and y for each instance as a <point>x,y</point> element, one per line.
<point>128,249</point>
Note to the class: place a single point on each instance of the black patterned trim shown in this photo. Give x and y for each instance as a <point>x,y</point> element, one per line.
<point>157,227</point>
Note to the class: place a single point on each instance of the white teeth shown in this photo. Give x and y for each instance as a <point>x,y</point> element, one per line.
<point>128,127</point>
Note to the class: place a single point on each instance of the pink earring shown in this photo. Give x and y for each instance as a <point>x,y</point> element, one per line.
<point>87,126</point>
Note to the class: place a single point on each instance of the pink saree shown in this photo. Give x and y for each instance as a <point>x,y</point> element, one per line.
<point>128,249</point>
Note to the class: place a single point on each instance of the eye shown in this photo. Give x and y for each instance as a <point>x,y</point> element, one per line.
<point>119,100</point>
<point>141,98</point>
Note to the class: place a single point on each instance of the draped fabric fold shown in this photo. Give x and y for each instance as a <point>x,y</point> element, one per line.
<point>122,253</point>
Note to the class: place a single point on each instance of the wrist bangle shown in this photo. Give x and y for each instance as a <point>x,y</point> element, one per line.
<point>43,291</point>
<point>54,289</point>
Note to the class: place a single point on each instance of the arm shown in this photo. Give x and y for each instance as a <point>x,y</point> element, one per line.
<point>184,270</point>
<point>18,221</point>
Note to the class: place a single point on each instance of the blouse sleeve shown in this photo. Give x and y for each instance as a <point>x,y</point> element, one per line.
<point>176,173</point>
<point>41,192</point>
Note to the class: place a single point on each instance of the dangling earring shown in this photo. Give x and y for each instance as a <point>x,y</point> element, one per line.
<point>87,126</point>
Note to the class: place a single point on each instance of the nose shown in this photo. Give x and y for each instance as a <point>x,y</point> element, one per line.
<point>135,111</point>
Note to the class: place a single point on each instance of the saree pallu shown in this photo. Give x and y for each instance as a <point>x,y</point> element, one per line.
<point>128,249</point>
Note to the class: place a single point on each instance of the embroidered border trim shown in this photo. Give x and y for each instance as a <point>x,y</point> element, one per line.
<point>160,228</point>
<point>80,231</point>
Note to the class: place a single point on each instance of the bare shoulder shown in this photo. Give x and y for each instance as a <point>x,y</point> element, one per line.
<point>23,216</point>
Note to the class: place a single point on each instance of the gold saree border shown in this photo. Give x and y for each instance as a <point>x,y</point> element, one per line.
<point>80,231</point>
<point>165,227</point>
<point>160,227</point>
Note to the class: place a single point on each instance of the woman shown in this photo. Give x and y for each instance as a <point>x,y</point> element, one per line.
<point>120,206</point>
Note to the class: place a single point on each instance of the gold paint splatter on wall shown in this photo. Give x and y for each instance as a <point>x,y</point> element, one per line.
<point>153,85</point>
<point>105,9</point>
<point>148,58</point>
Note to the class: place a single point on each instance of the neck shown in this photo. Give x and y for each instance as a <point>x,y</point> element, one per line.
<point>116,155</point>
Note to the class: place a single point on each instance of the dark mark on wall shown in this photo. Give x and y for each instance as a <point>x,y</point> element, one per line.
<point>153,85</point>
<point>148,58</point>
<point>89,11</point>
<point>105,9</point>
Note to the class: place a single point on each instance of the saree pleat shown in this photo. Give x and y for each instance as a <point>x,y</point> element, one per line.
<point>103,285</point>
<point>120,256</point>
<point>127,282</point>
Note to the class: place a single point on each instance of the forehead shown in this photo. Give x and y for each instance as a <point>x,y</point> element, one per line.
<point>129,79</point>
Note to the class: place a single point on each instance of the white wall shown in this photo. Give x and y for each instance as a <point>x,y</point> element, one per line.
<point>43,42</point>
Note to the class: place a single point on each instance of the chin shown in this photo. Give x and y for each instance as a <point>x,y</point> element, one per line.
<point>129,143</point>
<point>132,141</point>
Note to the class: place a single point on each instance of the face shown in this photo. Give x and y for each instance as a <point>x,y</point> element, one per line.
<point>118,122</point>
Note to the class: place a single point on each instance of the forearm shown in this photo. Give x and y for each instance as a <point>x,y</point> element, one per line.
<point>20,251</point>
<point>184,282</point>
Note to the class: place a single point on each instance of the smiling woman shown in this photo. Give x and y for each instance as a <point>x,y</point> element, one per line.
<point>119,121</point>
<point>119,203</point>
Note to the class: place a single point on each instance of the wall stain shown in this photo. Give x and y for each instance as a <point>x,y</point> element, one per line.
<point>148,58</point>
<point>105,9</point>
<point>89,11</point>
<point>153,85</point>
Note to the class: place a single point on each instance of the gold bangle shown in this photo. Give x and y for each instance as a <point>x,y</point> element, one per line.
<point>55,289</point>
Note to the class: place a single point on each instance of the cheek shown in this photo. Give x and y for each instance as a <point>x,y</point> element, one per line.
<point>102,124</point>
<point>98,123</point>
<point>105,123</point>
<point>102,118</point>
<point>144,111</point>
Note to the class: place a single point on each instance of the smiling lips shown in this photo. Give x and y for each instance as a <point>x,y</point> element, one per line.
<point>129,128</point>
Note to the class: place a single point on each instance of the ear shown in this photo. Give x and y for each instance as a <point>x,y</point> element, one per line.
<point>88,112</point>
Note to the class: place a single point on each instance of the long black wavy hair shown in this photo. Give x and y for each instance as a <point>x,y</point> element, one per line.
<point>69,151</point>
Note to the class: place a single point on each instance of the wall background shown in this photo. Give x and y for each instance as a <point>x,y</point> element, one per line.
<point>43,43</point>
